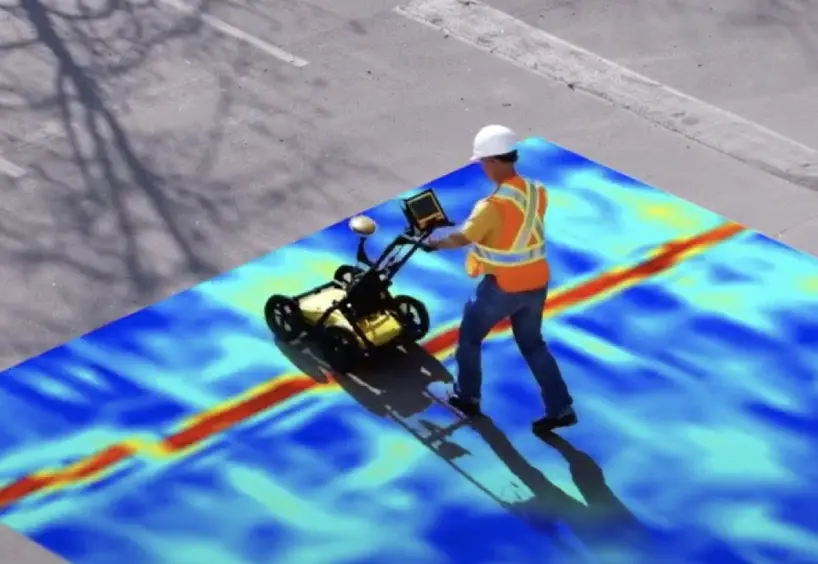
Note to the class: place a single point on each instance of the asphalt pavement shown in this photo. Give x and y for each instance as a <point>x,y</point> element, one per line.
<point>148,145</point>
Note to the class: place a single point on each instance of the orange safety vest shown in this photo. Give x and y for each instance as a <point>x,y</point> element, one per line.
<point>518,260</point>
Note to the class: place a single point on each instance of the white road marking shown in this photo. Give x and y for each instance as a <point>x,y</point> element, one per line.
<point>515,41</point>
<point>241,35</point>
<point>10,169</point>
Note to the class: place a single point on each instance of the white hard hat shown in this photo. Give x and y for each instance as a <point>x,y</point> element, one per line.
<point>493,140</point>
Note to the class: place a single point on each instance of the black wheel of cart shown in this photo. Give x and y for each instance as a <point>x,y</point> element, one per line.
<point>413,316</point>
<point>283,318</point>
<point>345,273</point>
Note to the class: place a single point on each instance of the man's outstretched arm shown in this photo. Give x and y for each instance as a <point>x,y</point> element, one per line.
<point>453,240</point>
<point>474,230</point>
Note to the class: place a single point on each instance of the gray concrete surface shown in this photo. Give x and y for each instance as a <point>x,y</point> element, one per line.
<point>756,58</point>
<point>529,47</point>
<point>145,150</point>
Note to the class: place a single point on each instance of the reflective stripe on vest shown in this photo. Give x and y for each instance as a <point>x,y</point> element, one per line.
<point>510,258</point>
<point>521,252</point>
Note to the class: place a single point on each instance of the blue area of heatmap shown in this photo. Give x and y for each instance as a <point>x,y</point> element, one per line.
<point>181,434</point>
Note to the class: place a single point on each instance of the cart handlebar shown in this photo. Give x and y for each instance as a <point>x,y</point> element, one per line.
<point>415,240</point>
<point>413,237</point>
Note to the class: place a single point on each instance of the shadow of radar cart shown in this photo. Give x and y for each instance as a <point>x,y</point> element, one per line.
<point>355,314</point>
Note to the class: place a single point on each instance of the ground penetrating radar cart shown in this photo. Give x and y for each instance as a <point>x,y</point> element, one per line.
<point>355,314</point>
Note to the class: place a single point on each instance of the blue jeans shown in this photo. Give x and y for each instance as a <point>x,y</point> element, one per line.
<point>487,308</point>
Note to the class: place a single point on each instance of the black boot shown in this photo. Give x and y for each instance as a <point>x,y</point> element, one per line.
<point>548,424</point>
<point>466,407</point>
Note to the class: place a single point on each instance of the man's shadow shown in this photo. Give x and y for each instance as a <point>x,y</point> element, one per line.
<point>603,523</point>
<point>396,387</point>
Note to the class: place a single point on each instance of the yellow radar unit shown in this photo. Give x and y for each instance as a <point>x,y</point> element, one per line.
<point>355,314</point>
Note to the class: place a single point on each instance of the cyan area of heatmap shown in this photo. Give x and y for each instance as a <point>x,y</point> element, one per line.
<point>694,388</point>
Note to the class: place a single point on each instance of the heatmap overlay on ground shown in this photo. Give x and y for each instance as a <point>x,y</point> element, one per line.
<point>183,434</point>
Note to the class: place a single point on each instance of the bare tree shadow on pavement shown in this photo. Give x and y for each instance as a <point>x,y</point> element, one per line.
<point>158,153</point>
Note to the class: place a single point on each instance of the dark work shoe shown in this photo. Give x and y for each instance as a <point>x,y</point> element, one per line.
<point>548,424</point>
<point>466,407</point>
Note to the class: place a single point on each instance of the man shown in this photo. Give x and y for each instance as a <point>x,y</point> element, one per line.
<point>506,231</point>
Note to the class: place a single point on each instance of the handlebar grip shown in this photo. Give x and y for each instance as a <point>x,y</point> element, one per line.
<point>426,247</point>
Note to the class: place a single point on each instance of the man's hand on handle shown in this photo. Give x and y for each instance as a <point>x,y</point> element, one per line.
<point>453,240</point>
